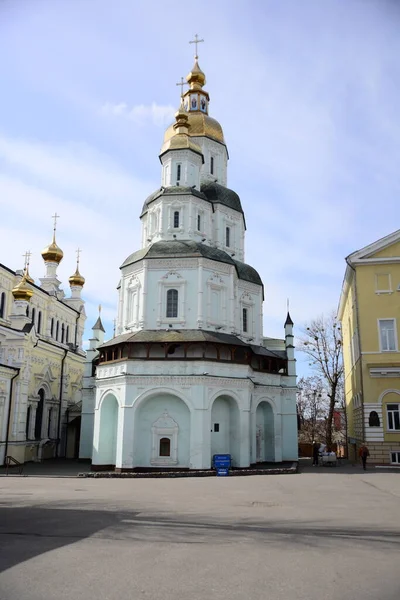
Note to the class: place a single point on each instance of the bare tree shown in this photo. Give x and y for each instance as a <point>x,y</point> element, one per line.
<point>312,408</point>
<point>322,343</point>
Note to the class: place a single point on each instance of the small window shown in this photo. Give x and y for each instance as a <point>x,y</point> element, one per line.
<point>39,321</point>
<point>176,219</point>
<point>67,335</point>
<point>62,333</point>
<point>395,458</point>
<point>172,304</point>
<point>393,416</point>
<point>387,335</point>
<point>165,447</point>
<point>2,305</point>
<point>212,165</point>
<point>28,422</point>
<point>27,311</point>
<point>198,223</point>
<point>52,328</point>
<point>216,427</point>
<point>227,237</point>
<point>244,315</point>
<point>383,282</point>
<point>57,330</point>
<point>33,316</point>
<point>178,172</point>
<point>373,420</point>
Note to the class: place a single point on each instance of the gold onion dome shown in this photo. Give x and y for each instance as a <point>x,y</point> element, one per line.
<point>76,279</point>
<point>28,278</point>
<point>196,78</point>
<point>180,139</point>
<point>52,253</point>
<point>22,291</point>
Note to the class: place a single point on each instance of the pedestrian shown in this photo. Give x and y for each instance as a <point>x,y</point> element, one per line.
<point>315,453</point>
<point>364,453</point>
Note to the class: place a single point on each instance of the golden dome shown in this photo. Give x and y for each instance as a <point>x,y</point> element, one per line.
<point>200,125</point>
<point>22,291</point>
<point>76,279</point>
<point>196,78</point>
<point>52,253</point>
<point>28,278</point>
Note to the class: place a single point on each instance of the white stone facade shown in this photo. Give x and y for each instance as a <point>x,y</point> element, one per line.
<point>189,373</point>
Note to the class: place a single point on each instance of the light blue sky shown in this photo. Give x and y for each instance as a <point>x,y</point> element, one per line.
<point>307,94</point>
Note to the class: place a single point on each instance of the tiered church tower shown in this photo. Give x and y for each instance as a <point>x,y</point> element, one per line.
<point>188,375</point>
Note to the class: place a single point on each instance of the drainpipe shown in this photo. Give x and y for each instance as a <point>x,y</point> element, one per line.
<point>60,403</point>
<point>359,345</point>
<point>9,408</point>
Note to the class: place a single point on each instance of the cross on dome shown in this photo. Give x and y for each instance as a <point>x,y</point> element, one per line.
<point>182,83</point>
<point>196,41</point>
<point>55,217</point>
<point>27,257</point>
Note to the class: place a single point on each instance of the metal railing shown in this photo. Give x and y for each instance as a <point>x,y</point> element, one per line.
<point>13,462</point>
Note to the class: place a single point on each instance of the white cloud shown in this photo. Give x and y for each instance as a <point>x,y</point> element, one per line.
<point>141,114</point>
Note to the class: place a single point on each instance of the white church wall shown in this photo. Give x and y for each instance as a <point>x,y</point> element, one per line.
<point>213,149</point>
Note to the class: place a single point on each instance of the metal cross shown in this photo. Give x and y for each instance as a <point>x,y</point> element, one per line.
<point>55,217</point>
<point>27,256</point>
<point>196,41</point>
<point>99,309</point>
<point>78,253</point>
<point>182,83</point>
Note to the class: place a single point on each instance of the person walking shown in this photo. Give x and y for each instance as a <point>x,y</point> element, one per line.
<point>315,453</point>
<point>364,453</point>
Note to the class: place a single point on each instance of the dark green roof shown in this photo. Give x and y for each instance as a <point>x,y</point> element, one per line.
<point>189,248</point>
<point>214,193</point>
<point>163,336</point>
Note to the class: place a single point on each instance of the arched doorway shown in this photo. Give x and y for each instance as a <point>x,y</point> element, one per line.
<point>39,415</point>
<point>225,428</point>
<point>107,449</point>
<point>265,433</point>
<point>162,432</point>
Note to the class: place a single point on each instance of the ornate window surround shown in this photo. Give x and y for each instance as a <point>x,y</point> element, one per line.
<point>171,280</point>
<point>164,427</point>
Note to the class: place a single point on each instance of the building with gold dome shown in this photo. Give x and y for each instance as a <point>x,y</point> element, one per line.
<point>189,373</point>
<point>41,361</point>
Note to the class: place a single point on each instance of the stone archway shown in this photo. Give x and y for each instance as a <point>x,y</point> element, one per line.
<point>162,432</point>
<point>108,432</point>
<point>265,433</point>
<point>225,428</point>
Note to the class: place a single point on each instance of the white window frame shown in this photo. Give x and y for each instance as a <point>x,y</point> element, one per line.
<point>171,280</point>
<point>379,291</point>
<point>395,334</point>
<point>392,429</point>
<point>395,451</point>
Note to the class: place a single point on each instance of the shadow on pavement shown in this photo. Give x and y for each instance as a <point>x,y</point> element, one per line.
<point>26,532</point>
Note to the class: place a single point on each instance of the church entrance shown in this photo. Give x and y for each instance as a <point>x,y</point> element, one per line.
<point>265,438</point>
<point>107,450</point>
<point>225,437</point>
<point>162,432</point>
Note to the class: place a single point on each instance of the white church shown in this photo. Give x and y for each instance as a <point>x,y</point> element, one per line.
<point>189,373</point>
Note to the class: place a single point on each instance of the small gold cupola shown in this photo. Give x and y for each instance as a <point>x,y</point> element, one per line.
<point>22,291</point>
<point>52,252</point>
<point>27,257</point>
<point>77,280</point>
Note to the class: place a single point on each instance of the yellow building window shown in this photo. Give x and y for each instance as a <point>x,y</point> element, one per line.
<point>383,283</point>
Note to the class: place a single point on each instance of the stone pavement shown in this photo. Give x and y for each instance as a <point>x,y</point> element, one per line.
<point>321,535</point>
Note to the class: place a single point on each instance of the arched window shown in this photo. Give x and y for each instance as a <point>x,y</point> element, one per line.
<point>212,165</point>
<point>52,328</point>
<point>57,330</point>
<point>2,305</point>
<point>33,316</point>
<point>28,422</point>
<point>178,172</point>
<point>62,333</point>
<point>198,223</point>
<point>165,447</point>
<point>176,219</point>
<point>67,335</point>
<point>27,311</point>
<point>39,321</point>
<point>172,303</point>
<point>50,423</point>
<point>244,315</point>
<point>227,237</point>
<point>39,416</point>
<point>373,420</point>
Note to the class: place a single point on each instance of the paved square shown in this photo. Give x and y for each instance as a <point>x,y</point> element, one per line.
<point>323,535</point>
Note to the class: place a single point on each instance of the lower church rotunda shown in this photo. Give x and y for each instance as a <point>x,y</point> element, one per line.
<point>189,373</point>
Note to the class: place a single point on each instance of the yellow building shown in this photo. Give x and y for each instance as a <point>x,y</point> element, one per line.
<point>369,311</point>
<point>41,362</point>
